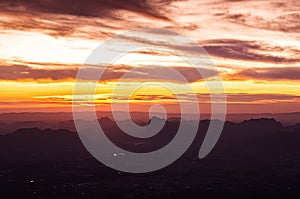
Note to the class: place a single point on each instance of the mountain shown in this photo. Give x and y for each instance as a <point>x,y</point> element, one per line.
<point>256,158</point>
<point>10,122</point>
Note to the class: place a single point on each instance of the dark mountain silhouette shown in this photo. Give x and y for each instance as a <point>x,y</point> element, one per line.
<point>10,122</point>
<point>257,158</point>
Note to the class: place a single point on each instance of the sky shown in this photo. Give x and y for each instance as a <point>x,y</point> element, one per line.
<point>254,44</point>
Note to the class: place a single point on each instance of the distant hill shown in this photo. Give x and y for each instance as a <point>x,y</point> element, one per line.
<point>10,122</point>
<point>253,133</point>
<point>256,158</point>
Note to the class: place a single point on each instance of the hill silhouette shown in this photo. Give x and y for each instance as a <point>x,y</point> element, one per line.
<point>10,122</point>
<point>257,158</point>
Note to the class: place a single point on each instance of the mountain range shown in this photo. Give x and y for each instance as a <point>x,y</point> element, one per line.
<point>256,158</point>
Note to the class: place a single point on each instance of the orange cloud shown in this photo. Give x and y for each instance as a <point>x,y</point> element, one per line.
<point>254,43</point>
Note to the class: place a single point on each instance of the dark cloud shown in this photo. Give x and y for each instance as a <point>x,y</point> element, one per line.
<point>282,15</point>
<point>115,72</point>
<point>248,50</point>
<point>51,65</point>
<point>62,26</point>
<point>288,22</point>
<point>245,97</point>
<point>78,18</point>
<point>229,48</point>
<point>43,101</point>
<point>146,73</point>
<point>19,72</point>
<point>149,97</point>
<point>282,73</point>
<point>94,8</point>
<point>152,52</point>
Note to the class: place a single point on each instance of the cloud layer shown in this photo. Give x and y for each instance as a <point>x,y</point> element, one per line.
<point>254,43</point>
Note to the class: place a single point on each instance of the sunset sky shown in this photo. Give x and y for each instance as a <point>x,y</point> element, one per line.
<point>255,45</point>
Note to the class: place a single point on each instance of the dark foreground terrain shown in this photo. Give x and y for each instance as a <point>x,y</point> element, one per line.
<point>253,159</point>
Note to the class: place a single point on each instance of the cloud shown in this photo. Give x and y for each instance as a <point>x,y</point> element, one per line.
<point>111,73</point>
<point>245,98</point>
<point>92,8</point>
<point>57,25</point>
<point>82,18</point>
<point>20,72</point>
<point>275,15</point>
<point>245,50</point>
<point>286,22</point>
<point>257,98</point>
<point>148,73</point>
<point>151,97</point>
<point>249,51</point>
<point>280,73</point>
